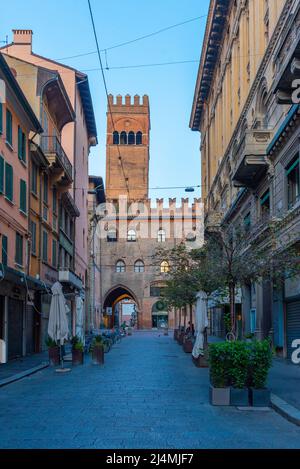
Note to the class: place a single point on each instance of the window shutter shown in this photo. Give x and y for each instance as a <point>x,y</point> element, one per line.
<point>54,253</point>
<point>23,147</point>
<point>19,143</point>
<point>1,175</point>
<point>1,118</point>
<point>45,246</point>
<point>23,196</point>
<point>9,182</point>
<point>19,249</point>
<point>4,250</point>
<point>8,127</point>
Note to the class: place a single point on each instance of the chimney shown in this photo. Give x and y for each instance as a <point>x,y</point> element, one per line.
<point>22,36</point>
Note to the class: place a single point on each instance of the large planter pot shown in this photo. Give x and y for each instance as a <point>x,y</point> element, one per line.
<point>54,356</point>
<point>98,356</point>
<point>77,357</point>
<point>239,397</point>
<point>188,346</point>
<point>200,362</point>
<point>260,397</point>
<point>219,396</point>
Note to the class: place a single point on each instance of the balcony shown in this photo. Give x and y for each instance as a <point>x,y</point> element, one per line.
<point>57,157</point>
<point>250,157</point>
<point>66,276</point>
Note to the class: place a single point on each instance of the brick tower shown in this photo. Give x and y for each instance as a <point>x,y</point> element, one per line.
<point>128,137</point>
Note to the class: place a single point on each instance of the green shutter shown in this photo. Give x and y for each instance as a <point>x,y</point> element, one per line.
<point>54,253</point>
<point>23,147</point>
<point>4,250</point>
<point>19,143</point>
<point>33,237</point>
<point>8,127</point>
<point>1,175</point>
<point>9,182</point>
<point>23,196</point>
<point>45,246</point>
<point>1,118</point>
<point>292,166</point>
<point>19,249</point>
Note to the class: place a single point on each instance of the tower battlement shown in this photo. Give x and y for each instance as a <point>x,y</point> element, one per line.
<point>128,102</point>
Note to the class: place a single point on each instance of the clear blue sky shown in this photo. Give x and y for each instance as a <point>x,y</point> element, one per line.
<point>62,28</point>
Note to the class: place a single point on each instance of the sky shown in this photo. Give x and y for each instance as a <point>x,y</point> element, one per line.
<point>62,28</point>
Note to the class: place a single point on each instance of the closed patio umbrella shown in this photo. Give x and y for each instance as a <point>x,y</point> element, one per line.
<point>58,328</point>
<point>201,324</point>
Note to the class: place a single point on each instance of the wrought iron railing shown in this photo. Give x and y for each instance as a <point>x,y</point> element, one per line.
<point>51,145</point>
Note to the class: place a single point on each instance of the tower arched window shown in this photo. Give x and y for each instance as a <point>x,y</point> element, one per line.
<point>139,138</point>
<point>123,138</point>
<point>131,138</point>
<point>139,266</point>
<point>120,266</point>
<point>112,235</point>
<point>164,267</point>
<point>131,235</point>
<point>116,138</point>
<point>161,236</point>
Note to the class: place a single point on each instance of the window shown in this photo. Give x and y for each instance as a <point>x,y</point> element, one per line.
<point>45,193</point>
<point>54,253</point>
<point>112,235</point>
<point>54,199</point>
<point>120,266</point>
<point>45,247</point>
<point>156,291</point>
<point>139,266</point>
<point>265,204</point>
<point>161,236</point>
<point>1,174</point>
<point>33,237</point>
<point>21,145</point>
<point>116,138</point>
<point>9,182</point>
<point>8,127</point>
<point>131,139</point>
<point>164,267</point>
<point>4,250</point>
<point>139,138</point>
<point>247,221</point>
<point>34,177</point>
<point>123,138</point>
<point>1,118</point>
<point>131,235</point>
<point>19,249</point>
<point>23,196</point>
<point>293,181</point>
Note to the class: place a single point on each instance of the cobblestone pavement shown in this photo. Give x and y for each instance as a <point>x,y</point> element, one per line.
<point>148,395</point>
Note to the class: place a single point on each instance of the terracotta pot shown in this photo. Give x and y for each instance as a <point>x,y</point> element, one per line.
<point>77,357</point>
<point>200,362</point>
<point>219,396</point>
<point>188,346</point>
<point>98,356</point>
<point>54,356</point>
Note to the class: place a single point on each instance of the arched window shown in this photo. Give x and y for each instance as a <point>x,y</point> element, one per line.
<point>164,267</point>
<point>139,266</point>
<point>139,138</point>
<point>123,138</point>
<point>131,235</point>
<point>112,235</point>
<point>116,138</point>
<point>120,266</point>
<point>131,138</point>
<point>161,236</point>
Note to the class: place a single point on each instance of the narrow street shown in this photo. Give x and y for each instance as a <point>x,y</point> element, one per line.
<point>148,395</point>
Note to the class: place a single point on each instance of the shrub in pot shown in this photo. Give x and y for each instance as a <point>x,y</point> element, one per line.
<point>97,350</point>
<point>53,351</point>
<point>219,392</point>
<point>77,351</point>
<point>260,364</point>
<point>239,352</point>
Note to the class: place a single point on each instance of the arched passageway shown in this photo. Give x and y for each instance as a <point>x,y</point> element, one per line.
<point>120,304</point>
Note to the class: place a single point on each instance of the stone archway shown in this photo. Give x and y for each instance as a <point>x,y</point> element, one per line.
<point>111,300</point>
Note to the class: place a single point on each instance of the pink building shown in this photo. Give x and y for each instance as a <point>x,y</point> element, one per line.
<point>17,123</point>
<point>77,138</point>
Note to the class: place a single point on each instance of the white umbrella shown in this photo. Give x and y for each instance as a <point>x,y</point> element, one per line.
<point>79,318</point>
<point>201,323</point>
<point>58,328</point>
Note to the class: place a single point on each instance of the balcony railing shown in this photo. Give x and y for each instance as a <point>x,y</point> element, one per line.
<point>54,151</point>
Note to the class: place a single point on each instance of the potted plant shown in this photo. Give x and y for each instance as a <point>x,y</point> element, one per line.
<point>97,350</point>
<point>77,351</point>
<point>188,344</point>
<point>238,372</point>
<point>260,364</point>
<point>249,337</point>
<point>219,391</point>
<point>53,351</point>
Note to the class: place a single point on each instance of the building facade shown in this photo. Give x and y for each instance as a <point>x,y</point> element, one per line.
<point>130,227</point>
<point>249,127</point>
